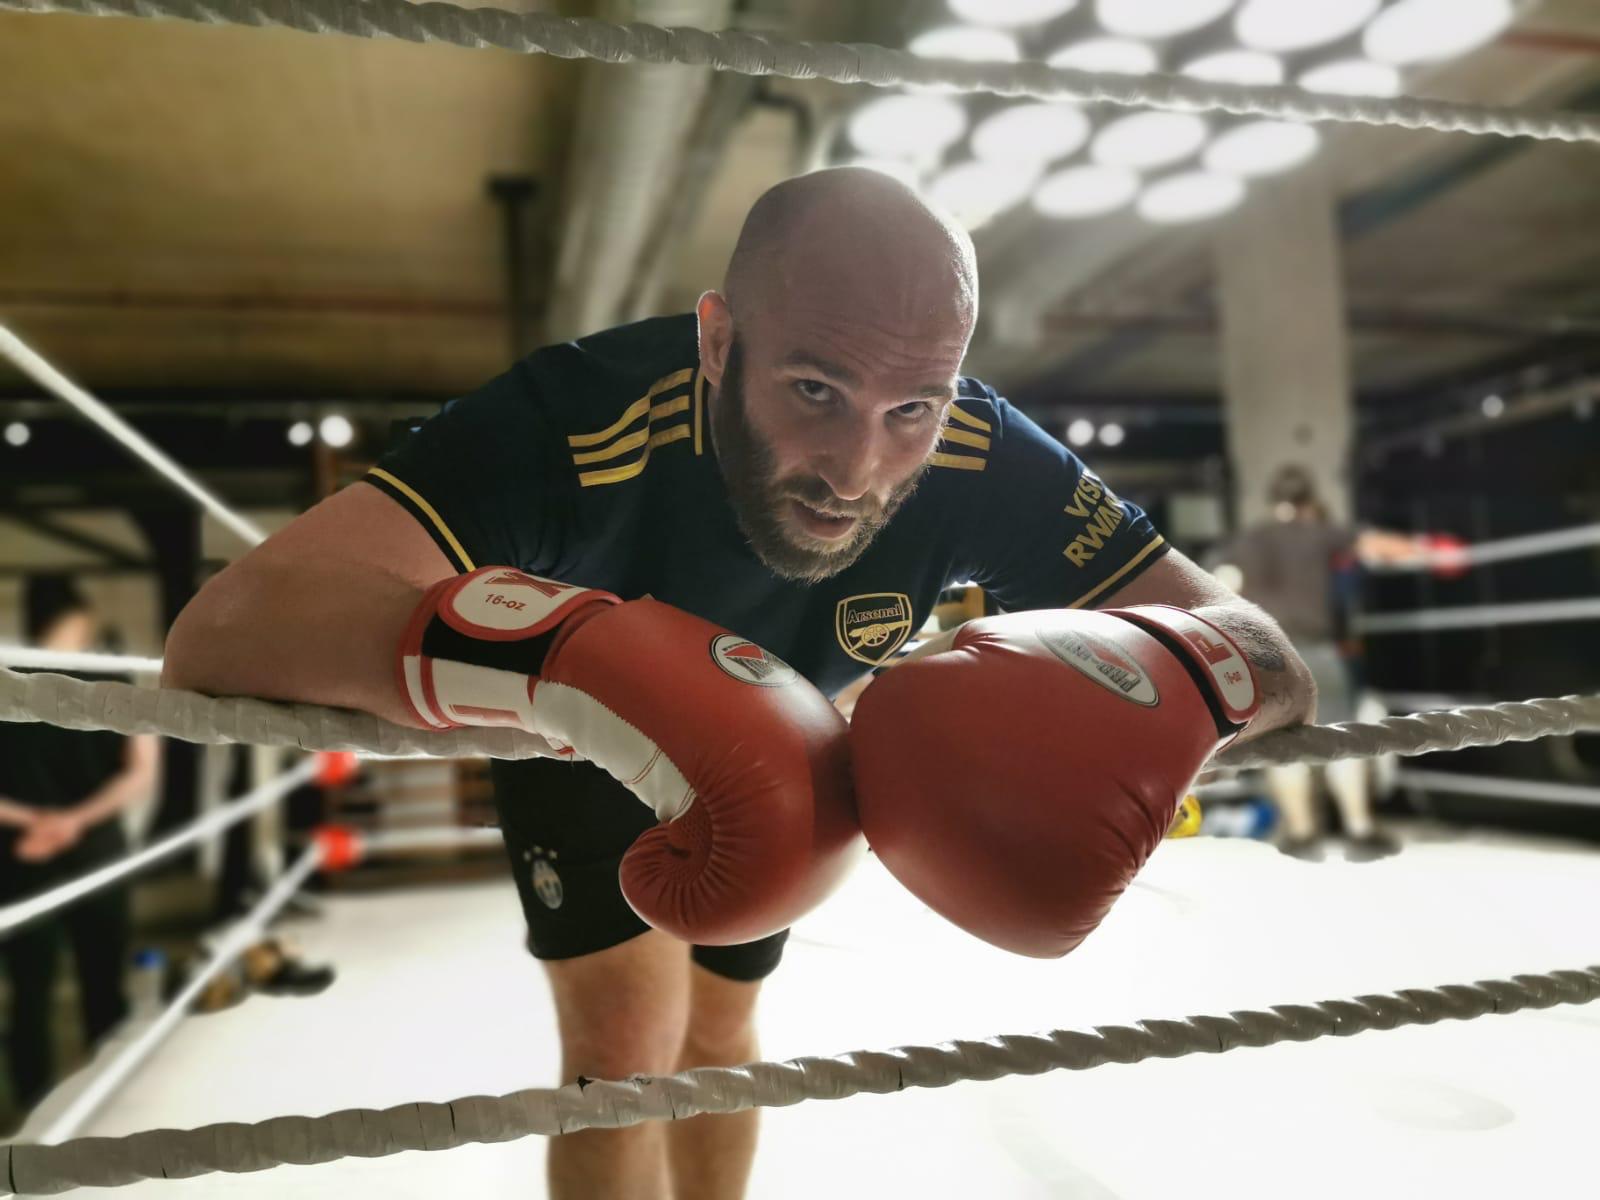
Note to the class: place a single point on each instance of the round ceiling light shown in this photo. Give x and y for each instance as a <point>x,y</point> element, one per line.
<point>1039,133</point>
<point>1353,77</point>
<point>971,43</point>
<point>896,168</point>
<point>907,126</point>
<point>1193,196</point>
<point>1116,56</point>
<point>1085,191</point>
<point>1237,66</point>
<point>1428,30</point>
<point>975,193</point>
<point>1148,139</point>
<point>1262,148</point>
<point>1158,18</point>
<point>1009,13</point>
<point>1282,25</point>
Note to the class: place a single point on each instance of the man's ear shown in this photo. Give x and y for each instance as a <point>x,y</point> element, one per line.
<point>716,335</point>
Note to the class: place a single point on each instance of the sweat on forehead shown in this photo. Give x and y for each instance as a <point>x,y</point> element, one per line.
<point>858,240</point>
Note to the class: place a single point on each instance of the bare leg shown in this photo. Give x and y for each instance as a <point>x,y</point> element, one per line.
<point>623,1011</point>
<point>711,1156</point>
<point>1347,780</point>
<point>1291,790</point>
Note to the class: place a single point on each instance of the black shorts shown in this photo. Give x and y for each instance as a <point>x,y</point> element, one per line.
<point>566,827</point>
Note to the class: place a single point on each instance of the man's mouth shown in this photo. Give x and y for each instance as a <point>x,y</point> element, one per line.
<point>821,524</point>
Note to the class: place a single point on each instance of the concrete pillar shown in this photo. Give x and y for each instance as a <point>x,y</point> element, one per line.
<point>1286,370</point>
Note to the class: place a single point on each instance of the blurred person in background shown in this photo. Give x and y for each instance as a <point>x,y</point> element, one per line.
<point>1298,565</point>
<point>62,793</point>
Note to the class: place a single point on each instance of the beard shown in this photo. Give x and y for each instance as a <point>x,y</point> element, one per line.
<point>760,499</point>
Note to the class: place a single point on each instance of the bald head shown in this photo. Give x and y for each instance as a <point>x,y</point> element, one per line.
<point>834,354</point>
<point>860,242</point>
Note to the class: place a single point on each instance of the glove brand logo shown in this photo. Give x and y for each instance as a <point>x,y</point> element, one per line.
<point>547,884</point>
<point>1104,662</point>
<point>545,587</point>
<point>873,626</point>
<point>749,663</point>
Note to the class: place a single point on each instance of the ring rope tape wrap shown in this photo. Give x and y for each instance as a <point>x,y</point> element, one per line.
<point>191,717</point>
<point>369,1133</point>
<point>749,53</point>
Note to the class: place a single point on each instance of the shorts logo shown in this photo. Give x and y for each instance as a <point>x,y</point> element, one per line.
<point>872,627</point>
<point>1105,663</point>
<point>749,663</point>
<point>547,884</point>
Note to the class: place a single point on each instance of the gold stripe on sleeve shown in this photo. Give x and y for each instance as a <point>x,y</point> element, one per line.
<point>428,511</point>
<point>677,433</point>
<point>1119,573</point>
<point>635,439</point>
<point>962,437</point>
<point>971,422</point>
<point>958,462</point>
<point>634,411</point>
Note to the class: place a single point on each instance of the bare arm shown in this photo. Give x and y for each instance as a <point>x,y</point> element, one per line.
<point>15,815</point>
<point>1381,547</point>
<point>1288,695</point>
<point>315,613</point>
<point>133,782</point>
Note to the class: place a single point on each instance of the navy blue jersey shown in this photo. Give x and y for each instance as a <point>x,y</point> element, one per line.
<point>591,462</point>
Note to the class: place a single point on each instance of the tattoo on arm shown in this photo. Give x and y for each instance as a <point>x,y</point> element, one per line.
<point>1287,693</point>
<point>1258,636</point>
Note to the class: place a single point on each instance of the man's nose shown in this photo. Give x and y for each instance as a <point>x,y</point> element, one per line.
<point>849,460</point>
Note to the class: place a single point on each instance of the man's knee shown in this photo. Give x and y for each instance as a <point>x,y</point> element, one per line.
<point>721,1028</point>
<point>622,1011</point>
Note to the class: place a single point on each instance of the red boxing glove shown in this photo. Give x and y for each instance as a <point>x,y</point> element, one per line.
<point>1018,781</point>
<point>744,762</point>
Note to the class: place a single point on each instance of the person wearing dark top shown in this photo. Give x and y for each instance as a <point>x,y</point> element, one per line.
<point>799,462</point>
<point>61,795</point>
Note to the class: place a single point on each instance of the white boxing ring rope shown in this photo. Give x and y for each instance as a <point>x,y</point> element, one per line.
<point>235,940</point>
<point>31,658</point>
<point>766,54</point>
<point>14,916</point>
<point>1480,554</point>
<point>29,361</point>
<point>371,1133</point>
<point>189,716</point>
<point>1479,616</point>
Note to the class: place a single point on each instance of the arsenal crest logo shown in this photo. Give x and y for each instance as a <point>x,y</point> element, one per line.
<point>871,628</point>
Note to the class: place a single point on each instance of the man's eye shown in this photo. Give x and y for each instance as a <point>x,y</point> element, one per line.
<point>914,411</point>
<point>814,392</point>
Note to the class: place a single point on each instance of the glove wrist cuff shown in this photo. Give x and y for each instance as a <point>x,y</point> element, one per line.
<point>1213,659</point>
<point>476,644</point>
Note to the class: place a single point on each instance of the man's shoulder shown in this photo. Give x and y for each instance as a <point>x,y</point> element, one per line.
<point>983,429</point>
<point>588,383</point>
<point>614,398</point>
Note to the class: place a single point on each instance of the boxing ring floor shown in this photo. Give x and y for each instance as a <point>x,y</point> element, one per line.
<point>436,999</point>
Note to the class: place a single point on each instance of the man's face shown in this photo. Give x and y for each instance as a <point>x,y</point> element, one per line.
<point>821,443</point>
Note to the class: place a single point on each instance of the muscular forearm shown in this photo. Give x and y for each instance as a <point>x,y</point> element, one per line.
<point>314,631</point>
<point>14,814</point>
<point>1288,694</point>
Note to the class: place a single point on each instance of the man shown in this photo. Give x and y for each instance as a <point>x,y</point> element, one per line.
<point>61,794</point>
<point>799,462</point>
<point>1294,566</point>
